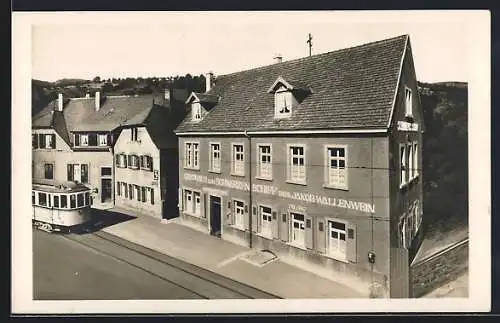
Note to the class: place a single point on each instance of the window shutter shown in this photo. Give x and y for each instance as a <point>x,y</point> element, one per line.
<point>150,163</point>
<point>284,227</point>
<point>180,199</point>
<point>53,143</point>
<point>92,139</point>
<point>129,160</point>
<point>275,225</point>
<point>118,188</point>
<point>42,141</point>
<point>233,212</point>
<point>152,196</point>
<point>109,139</point>
<point>117,160</point>
<point>246,219</point>
<point>77,139</point>
<point>255,219</point>
<point>351,242</point>
<point>34,139</point>
<point>125,190</point>
<point>321,235</point>
<point>141,159</point>
<point>124,160</point>
<point>85,173</point>
<point>309,232</point>
<point>70,172</point>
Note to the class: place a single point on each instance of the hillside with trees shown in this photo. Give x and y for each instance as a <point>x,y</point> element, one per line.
<point>445,139</point>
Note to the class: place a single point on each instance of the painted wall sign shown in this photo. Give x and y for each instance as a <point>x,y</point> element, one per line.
<point>274,190</point>
<point>407,126</point>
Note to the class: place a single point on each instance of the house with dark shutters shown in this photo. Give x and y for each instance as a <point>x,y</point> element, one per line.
<point>74,139</point>
<point>316,159</point>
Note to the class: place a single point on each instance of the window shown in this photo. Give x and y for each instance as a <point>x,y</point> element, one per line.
<point>264,164</point>
<point>337,240</point>
<point>78,173</point>
<point>402,158</point>
<point>298,230</point>
<point>215,159</point>
<point>121,160</point>
<point>133,134</point>
<point>197,203</point>
<point>283,103</point>
<point>152,195</point>
<point>296,164</point>
<point>80,200</point>
<point>239,214</point>
<point>238,160</point>
<point>34,141</point>
<point>49,171</point>
<point>84,140</point>
<point>143,193</point>
<point>125,189</point>
<point>33,198</point>
<point>50,141</point>
<point>103,139</point>
<point>409,149</point>
<point>118,188</point>
<point>64,201</point>
<point>147,162</point>
<point>105,171</point>
<point>56,201</point>
<point>266,221</point>
<point>137,192</point>
<point>72,201</point>
<point>133,161</point>
<point>87,198</point>
<point>42,199</point>
<point>408,102</point>
<point>191,155</point>
<point>336,166</point>
<point>415,160</point>
<point>130,192</point>
<point>196,111</point>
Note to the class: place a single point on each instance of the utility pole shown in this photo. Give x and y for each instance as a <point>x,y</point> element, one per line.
<point>309,42</point>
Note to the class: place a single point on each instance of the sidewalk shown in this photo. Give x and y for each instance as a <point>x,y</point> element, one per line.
<point>225,258</point>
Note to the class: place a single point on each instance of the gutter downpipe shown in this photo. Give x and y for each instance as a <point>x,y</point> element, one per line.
<point>250,209</point>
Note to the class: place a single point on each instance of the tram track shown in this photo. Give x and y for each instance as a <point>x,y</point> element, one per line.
<point>194,279</point>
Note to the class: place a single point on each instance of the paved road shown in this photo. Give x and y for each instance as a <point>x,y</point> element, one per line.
<point>100,266</point>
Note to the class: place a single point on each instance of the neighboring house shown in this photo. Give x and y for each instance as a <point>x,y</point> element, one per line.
<point>146,161</point>
<point>316,159</point>
<point>82,132</point>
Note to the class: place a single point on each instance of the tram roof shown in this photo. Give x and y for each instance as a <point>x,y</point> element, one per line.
<point>52,186</point>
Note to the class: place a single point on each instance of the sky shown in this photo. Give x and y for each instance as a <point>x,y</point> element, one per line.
<point>127,44</point>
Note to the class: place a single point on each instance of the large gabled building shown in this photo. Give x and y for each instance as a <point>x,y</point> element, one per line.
<point>316,159</point>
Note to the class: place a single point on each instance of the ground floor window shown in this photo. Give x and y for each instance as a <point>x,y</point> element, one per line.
<point>78,173</point>
<point>298,230</point>
<point>197,203</point>
<point>265,214</point>
<point>337,240</point>
<point>239,214</point>
<point>192,202</point>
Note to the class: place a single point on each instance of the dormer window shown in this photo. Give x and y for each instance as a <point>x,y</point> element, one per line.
<point>283,102</point>
<point>196,111</point>
<point>287,95</point>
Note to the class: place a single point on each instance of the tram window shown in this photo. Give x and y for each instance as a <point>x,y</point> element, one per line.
<point>64,201</point>
<point>56,200</point>
<point>72,201</point>
<point>42,199</point>
<point>33,198</point>
<point>87,198</point>
<point>79,199</point>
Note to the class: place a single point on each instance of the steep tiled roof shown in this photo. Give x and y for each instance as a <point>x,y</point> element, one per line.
<point>117,111</point>
<point>351,88</point>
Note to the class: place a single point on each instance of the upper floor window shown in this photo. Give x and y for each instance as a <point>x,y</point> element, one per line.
<point>238,160</point>
<point>296,164</point>
<point>264,162</point>
<point>215,158</point>
<point>409,151</point>
<point>191,155</point>
<point>133,161</point>
<point>78,173</point>
<point>408,102</point>
<point>121,160</point>
<point>147,162</point>
<point>402,160</point>
<point>134,134</point>
<point>49,171</point>
<point>43,141</point>
<point>283,103</point>
<point>415,160</point>
<point>84,140</point>
<point>336,166</point>
<point>196,111</point>
<point>103,139</point>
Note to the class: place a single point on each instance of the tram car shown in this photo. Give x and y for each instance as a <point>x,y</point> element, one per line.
<point>60,206</point>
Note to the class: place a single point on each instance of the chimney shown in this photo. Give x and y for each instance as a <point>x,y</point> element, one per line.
<point>60,102</point>
<point>97,100</point>
<point>278,58</point>
<point>208,81</point>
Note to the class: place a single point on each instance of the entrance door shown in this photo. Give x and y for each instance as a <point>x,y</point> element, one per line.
<point>105,190</point>
<point>215,215</point>
<point>336,239</point>
<point>266,216</point>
